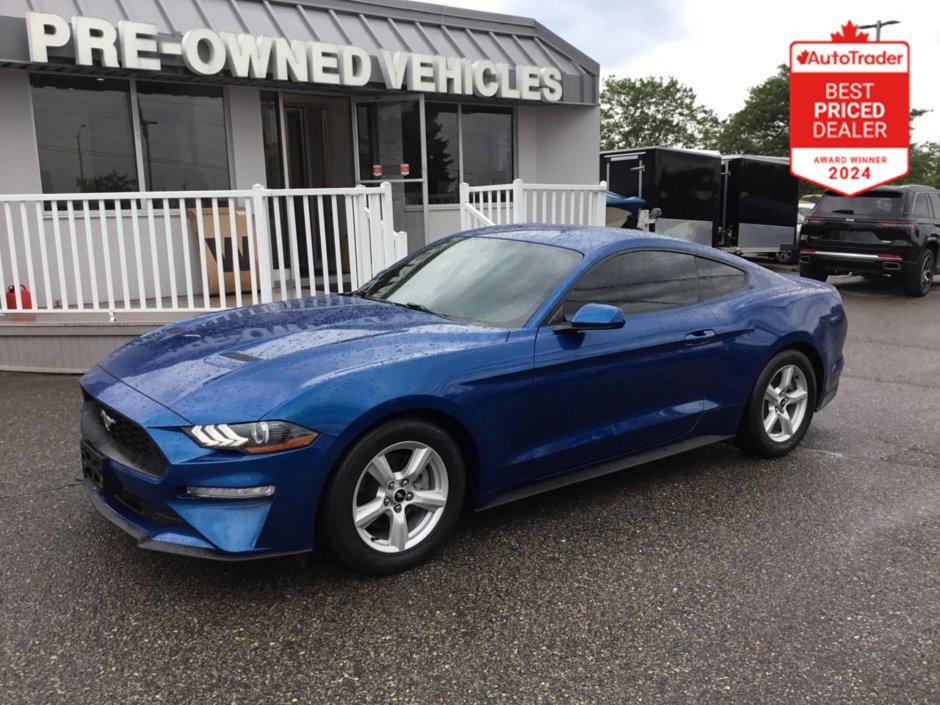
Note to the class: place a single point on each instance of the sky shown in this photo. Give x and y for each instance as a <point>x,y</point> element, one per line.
<point>723,47</point>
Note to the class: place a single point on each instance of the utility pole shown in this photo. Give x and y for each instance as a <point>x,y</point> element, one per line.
<point>877,27</point>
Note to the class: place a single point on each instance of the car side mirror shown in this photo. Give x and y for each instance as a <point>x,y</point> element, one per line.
<point>593,317</point>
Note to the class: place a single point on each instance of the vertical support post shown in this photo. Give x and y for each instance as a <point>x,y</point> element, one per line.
<point>600,206</point>
<point>263,251</point>
<point>518,202</point>
<point>464,202</point>
<point>388,227</point>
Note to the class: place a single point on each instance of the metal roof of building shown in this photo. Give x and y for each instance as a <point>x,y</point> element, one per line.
<point>396,25</point>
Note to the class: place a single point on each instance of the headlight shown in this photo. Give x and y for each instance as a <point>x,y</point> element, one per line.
<point>256,437</point>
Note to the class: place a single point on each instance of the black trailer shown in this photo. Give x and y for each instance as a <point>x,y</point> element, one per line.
<point>684,184</point>
<point>758,206</point>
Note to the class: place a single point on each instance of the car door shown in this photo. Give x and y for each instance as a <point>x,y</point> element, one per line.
<point>606,393</point>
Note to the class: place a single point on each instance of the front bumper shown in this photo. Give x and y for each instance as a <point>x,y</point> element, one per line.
<point>162,516</point>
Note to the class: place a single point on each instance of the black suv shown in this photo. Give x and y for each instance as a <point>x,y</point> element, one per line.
<point>890,231</point>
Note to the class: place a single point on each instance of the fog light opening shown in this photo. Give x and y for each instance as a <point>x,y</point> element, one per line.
<point>231,492</point>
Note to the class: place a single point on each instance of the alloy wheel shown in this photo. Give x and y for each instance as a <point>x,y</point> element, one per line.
<point>926,276</point>
<point>785,402</point>
<point>400,497</point>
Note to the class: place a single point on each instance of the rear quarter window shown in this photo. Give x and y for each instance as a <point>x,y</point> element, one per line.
<point>716,279</point>
<point>935,202</point>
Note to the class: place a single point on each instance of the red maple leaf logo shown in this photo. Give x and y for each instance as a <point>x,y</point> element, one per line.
<point>849,34</point>
<point>803,56</point>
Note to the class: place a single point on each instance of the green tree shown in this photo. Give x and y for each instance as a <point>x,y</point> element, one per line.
<point>925,165</point>
<point>651,111</point>
<point>762,126</point>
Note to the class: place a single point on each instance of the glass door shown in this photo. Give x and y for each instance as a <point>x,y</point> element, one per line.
<point>390,138</point>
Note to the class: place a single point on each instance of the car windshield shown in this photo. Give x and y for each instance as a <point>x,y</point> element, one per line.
<point>475,279</point>
<point>873,203</point>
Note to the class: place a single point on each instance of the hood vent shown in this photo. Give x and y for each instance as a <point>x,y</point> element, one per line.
<point>241,357</point>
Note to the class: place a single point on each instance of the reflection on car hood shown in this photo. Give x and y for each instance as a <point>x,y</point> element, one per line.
<point>257,358</point>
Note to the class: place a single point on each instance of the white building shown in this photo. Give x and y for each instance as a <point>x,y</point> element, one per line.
<point>187,96</point>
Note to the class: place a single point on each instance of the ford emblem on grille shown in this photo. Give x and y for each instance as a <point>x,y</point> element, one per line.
<point>106,421</point>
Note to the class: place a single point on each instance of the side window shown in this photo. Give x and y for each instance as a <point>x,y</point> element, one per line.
<point>637,282</point>
<point>717,279</point>
<point>921,207</point>
<point>935,202</point>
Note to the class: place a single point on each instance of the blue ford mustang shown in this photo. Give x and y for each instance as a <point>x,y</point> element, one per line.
<point>485,367</point>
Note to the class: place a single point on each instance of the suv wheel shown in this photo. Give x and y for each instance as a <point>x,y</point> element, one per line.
<point>918,282</point>
<point>810,271</point>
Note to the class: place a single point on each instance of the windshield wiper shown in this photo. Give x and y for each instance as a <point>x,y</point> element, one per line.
<point>422,308</point>
<point>415,307</point>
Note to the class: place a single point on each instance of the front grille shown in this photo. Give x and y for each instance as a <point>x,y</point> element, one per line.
<point>121,439</point>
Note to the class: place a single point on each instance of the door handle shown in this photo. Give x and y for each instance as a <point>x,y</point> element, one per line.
<point>699,336</point>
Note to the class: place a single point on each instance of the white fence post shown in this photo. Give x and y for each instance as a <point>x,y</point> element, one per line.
<point>464,202</point>
<point>401,245</point>
<point>600,206</point>
<point>518,202</point>
<point>260,205</point>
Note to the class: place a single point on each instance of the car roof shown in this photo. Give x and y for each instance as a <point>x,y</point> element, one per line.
<point>582,238</point>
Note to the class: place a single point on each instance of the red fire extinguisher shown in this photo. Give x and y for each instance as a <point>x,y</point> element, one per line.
<point>25,297</point>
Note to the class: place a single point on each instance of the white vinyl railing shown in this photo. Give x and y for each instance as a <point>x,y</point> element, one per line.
<point>519,202</point>
<point>191,250</point>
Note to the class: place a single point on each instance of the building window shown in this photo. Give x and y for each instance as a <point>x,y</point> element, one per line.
<point>271,135</point>
<point>182,130</point>
<point>487,145</point>
<point>487,152</point>
<point>84,134</point>
<point>442,135</point>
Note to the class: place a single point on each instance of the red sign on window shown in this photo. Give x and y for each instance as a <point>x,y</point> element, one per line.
<point>849,111</point>
<point>376,170</point>
<point>405,169</point>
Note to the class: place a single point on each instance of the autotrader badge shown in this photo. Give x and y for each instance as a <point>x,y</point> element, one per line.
<point>849,111</point>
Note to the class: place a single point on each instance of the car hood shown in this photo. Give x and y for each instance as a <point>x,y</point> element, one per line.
<point>237,365</point>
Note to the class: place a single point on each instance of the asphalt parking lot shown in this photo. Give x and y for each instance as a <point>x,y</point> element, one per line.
<point>710,577</point>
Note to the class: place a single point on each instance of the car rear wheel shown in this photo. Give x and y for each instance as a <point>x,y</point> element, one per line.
<point>918,282</point>
<point>781,406</point>
<point>811,272</point>
<point>394,499</point>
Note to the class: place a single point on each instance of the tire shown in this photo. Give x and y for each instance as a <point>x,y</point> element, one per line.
<point>810,272</point>
<point>401,525</point>
<point>786,256</point>
<point>918,282</point>
<point>763,430</point>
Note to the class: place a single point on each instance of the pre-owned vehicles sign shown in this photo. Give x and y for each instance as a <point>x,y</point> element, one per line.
<point>849,111</point>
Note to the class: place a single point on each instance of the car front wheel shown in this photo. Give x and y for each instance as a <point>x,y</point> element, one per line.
<point>394,499</point>
<point>781,406</point>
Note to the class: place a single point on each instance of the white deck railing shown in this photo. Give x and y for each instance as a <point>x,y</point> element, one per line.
<point>519,202</point>
<point>160,251</point>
